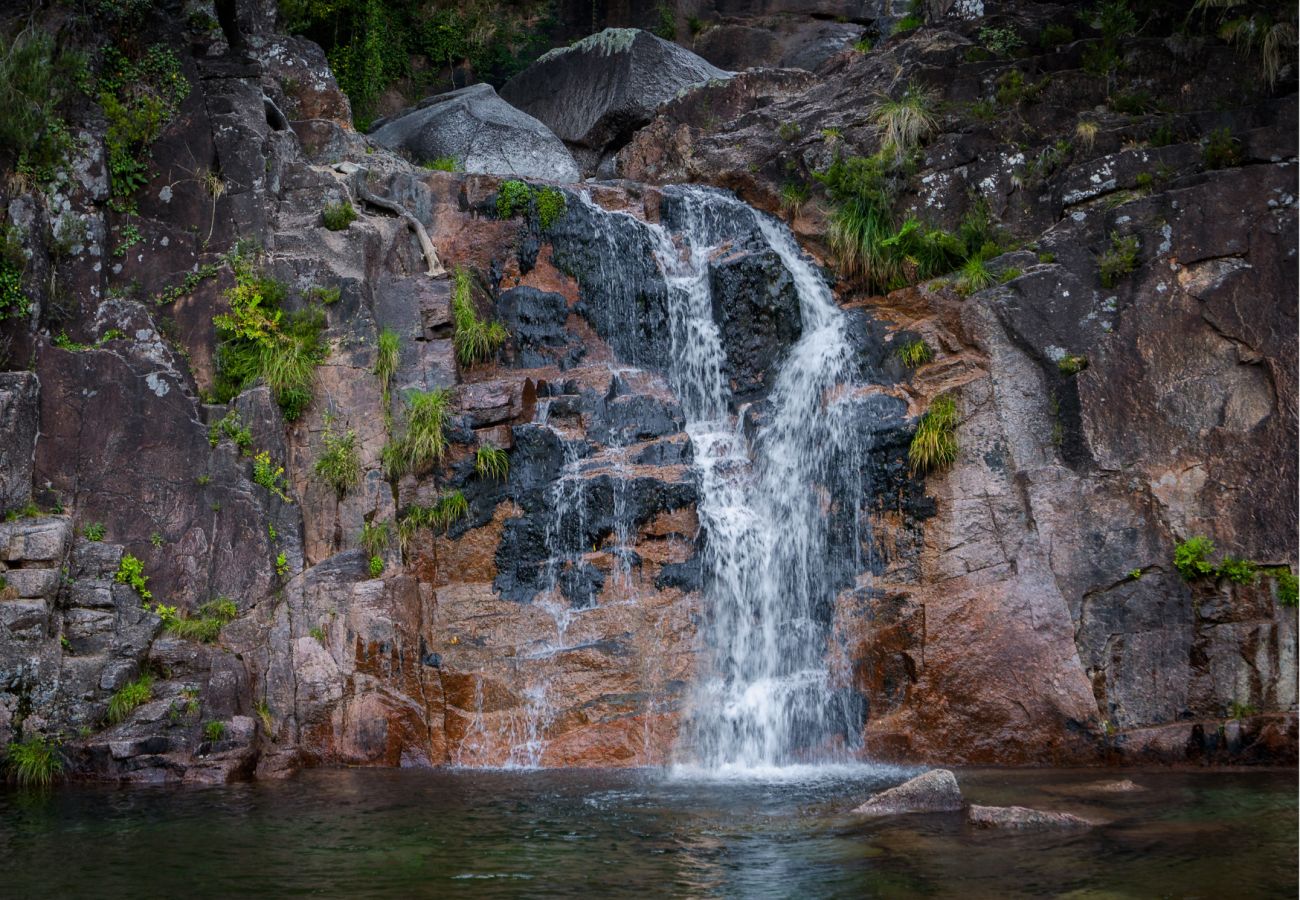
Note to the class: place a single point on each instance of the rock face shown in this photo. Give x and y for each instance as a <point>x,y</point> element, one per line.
<point>1018,818</point>
<point>482,133</point>
<point>596,93</point>
<point>935,791</point>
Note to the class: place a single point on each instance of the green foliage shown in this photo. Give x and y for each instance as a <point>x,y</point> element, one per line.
<point>14,303</point>
<point>214,731</point>
<point>386,358</point>
<point>326,296</point>
<point>34,761</point>
<point>424,440</point>
<point>794,196</point>
<point>443,164</point>
<point>1288,586</point>
<point>474,339</point>
<point>915,353</point>
<point>492,462</point>
<point>1135,574</point>
<point>1113,18</point>
<point>1239,710</point>
<point>1072,365</point>
<point>1012,89</point>
<point>513,198</point>
<point>974,276</point>
<point>1133,103</point>
<point>36,78</point>
<point>1001,41</point>
<point>317,632</point>
<point>140,97</point>
<point>269,475</point>
<point>907,23</point>
<point>263,711</point>
<point>1191,557</point>
<point>666,24</point>
<point>131,571</point>
<point>1238,571</point>
<point>863,46</point>
<point>339,465</point>
<point>376,566</point>
<point>551,207</point>
<point>128,697</point>
<point>206,625</point>
<point>1118,260</point>
<point>1055,35</point>
<point>1221,150</point>
<point>338,216</point>
<point>934,445</point>
<point>1267,29</point>
<point>231,426</point>
<point>448,509</point>
<point>94,531</point>
<point>375,537</point>
<point>281,564</point>
<point>905,122</point>
<point>788,131</point>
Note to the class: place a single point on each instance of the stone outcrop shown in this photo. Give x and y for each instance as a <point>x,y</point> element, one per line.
<point>481,133</point>
<point>935,791</point>
<point>596,93</point>
<point>1020,818</point>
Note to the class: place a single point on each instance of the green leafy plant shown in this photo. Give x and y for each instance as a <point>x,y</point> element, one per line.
<point>95,531</point>
<point>338,216</point>
<point>386,358</point>
<point>131,571</point>
<point>269,475</point>
<point>140,96</point>
<point>1000,41</point>
<point>1191,557</point>
<point>863,46</point>
<point>214,731</point>
<point>491,462</point>
<point>156,540</point>
<point>281,564</point>
<point>788,131</point>
<point>36,78</point>
<point>34,761</point>
<point>232,427</point>
<point>1266,29</point>
<point>376,566</point>
<point>934,445</point>
<point>128,697</point>
<point>513,198</point>
<point>1055,35</point>
<point>339,464</point>
<point>448,509</point>
<point>424,439</point>
<point>317,632</point>
<point>474,339</point>
<point>1135,574</point>
<point>1071,364</point>
<point>1288,586</point>
<point>1118,260</point>
<point>551,207</point>
<point>326,296</point>
<point>915,353</point>
<point>375,537</point>
<point>207,624</point>
<point>1238,571</point>
<point>1221,150</point>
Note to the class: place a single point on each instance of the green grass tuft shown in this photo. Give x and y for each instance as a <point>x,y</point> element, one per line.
<point>34,761</point>
<point>934,446</point>
<point>375,537</point>
<point>339,465</point>
<point>474,339</point>
<point>492,462</point>
<point>338,216</point>
<point>214,731</point>
<point>905,122</point>
<point>130,696</point>
<point>448,509</point>
<point>1118,260</point>
<point>915,353</point>
<point>444,164</point>
<point>424,440</point>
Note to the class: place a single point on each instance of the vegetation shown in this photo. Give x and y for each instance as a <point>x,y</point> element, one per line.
<point>788,131</point>
<point>974,276</point>
<point>338,216</point>
<point>513,198</point>
<point>326,296</point>
<point>263,711</point>
<point>140,96</point>
<point>1221,150</point>
<point>376,566</point>
<point>492,462</point>
<point>375,537</point>
<point>1000,41</point>
<point>934,446</point>
<point>387,355</point>
<point>95,531</point>
<point>269,475</point>
<point>1071,364</point>
<point>35,80</point>
<point>793,197</point>
<point>214,731</point>
<point>34,761</point>
<point>1118,260</point>
<point>448,509</point>
<point>551,206</point>
<point>1266,29</point>
<point>1191,557</point>
<point>910,22</point>
<point>516,198</point>
<point>1055,35</point>
<point>231,426</point>
<point>131,571</point>
<point>339,465</point>
<point>1288,586</point>
<point>424,440</point>
<point>474,339</point>
<point>128,697</point>
<point>317,632</point>
<point>443,164</point>
<point>1238,571</point>
<point>259,341</point>
<point>14,303</point>
<point>206,626</point>
<point>281,564</point>
<point>915,353</point>
<point>1086,132</point>
<point>905,122</point>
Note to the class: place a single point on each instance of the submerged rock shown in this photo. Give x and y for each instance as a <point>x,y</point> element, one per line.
<point>935,791</point>
<point>596,93</point>
<point>483,133</point>
<point>1021,817</point>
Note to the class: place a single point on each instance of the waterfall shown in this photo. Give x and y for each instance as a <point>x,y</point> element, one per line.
<point>765,694</point>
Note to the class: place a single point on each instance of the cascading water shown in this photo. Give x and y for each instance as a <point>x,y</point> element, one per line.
<point>765,695</point>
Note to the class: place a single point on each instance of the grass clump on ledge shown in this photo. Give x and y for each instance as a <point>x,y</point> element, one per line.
<point>448,508</point>
<point>915,353</point>
<point>206,626</point>
<point>128,697</point>
<point>339,465</point>
<point>492,462</point>
<point>424,439</point>
<point>34,761</point>
<point>1118,260</point>
<point>934,445</point>
<point>338,216</point>
<point>443,164</point>
<point>474,339</point>
<point>905,122</point>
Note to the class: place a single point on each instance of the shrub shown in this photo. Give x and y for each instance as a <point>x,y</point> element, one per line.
<point>140,97</point>
<point>666,26</point>
<point>34,761</point>
<point>376,566</point>
<point>491,462</point>
<point>94,531</point>
<point>915,353</point>
<point>934,445</point>
<point>214,731</point>
<point>128,697</point>
<point>1238,571</point>
<point>905,122</point>
<point>513,198</point>
<point>131,571</point>
<point>339,465</point>
<point>1288,587</point>
<point>1191,557</point>
<point>1072,365</point>
<point>1118,260</point>
<point>1000,41</point>
<point>35,78</point>
<point>326,296</point>
<point>424,440</point>
<point>1221,150</point>
<point>474,339</point>
<point>338,216</point>
<point>1270,33</point>
<point>1054,36</point>
<point>551,207</point>
<point>269,475</point>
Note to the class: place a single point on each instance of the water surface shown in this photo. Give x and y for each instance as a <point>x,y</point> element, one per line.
<point>451,833</point>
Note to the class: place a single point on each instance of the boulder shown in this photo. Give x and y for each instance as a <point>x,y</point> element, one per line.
<point>1021,817</point>
<point>483,133</point>
<point>935,791</point>
<point>597,92</point>
<point>791,42</point>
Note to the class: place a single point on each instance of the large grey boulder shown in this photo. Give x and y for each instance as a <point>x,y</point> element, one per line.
<point>597,92</point>
<point>935,791</point>
<point>483,133</point>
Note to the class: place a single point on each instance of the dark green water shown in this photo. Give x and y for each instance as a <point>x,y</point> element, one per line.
<point>366,833</point>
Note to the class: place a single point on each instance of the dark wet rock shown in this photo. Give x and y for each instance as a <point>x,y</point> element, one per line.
<point>1018,818</point>
<point>536,322</point>
<point>19,422</point>
<point>786,42</point>
<point>935,791</point>
<point>597,92</point>
<point>483,133</point>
